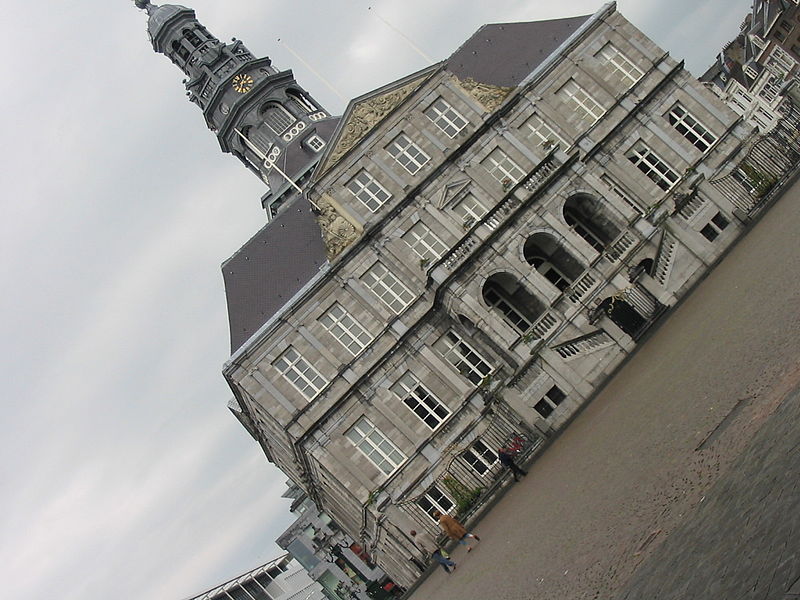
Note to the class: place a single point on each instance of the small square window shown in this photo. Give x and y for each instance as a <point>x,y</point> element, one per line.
<point>714,227</point>
<point>314,143</point>
<point>709,232</point>
<point>555,395</point>
<point>720,221</point>
<point>543,408</point>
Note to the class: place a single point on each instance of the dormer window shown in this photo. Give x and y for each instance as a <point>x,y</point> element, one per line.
<point>314,143</point>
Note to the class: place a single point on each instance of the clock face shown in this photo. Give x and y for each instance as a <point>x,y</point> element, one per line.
<point>242,83</point>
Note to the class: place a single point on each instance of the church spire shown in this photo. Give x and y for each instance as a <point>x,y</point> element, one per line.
<point>259,114</point>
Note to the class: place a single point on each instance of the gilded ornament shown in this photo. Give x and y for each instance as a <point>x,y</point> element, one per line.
<point>489,96</point>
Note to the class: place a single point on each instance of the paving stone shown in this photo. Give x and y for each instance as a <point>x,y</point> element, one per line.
<point>629,464</point>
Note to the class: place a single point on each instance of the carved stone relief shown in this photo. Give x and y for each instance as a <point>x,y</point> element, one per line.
<point>489,96</point>
<point>337,232</point>
<point>364,116</point>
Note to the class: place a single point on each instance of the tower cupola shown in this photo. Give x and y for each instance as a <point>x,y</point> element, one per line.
<point>259,114</point>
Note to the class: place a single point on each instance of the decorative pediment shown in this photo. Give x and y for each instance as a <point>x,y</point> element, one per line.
<point>489,96</point>
<point>364,115</point>
<point>452,192</point>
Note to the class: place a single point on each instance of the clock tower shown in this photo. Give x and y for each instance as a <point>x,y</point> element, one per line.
<point>258,113</point>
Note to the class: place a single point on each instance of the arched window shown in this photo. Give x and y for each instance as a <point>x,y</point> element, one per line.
<point>191,37</point>
<point>543,252</point>
<point>504,294</point>
<point>585,215</point>
<point>277,118</point>
<point>300,103</point>
<point>179,50</point>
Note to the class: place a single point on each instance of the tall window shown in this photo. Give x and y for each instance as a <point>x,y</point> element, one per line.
<point>388,288</point>
<point>772,86</point>
<point>424,242</point>
<point>502,168</point>
<point>420,401</point>
<point>445,117</point>
<point>278,118</point>
<point>371,193</point>
<point>300,373</point>
<point>375,446</point>
<point>649,163</point>
<point>435,500</point>
<point>690,128</point>
<point>345,329</point>
<point>541,133</point>
<point>407,153</point>
<point>459,354</point>
<point>495,298</point>
<point>615,187</point>
<point>470,209</point>
<point>586,107</point>
<point>480,457</point>
<point>619,66</point>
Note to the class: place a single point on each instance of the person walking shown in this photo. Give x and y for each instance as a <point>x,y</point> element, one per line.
<point>423,542</point>
<point>444,561</point>
<point>455,530</point>
<point>506,458</point>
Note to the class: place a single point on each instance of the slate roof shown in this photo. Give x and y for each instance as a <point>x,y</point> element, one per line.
<point>297,158</point>
<point>270,268</point>
<point>503,54</point>
<point>286,254</point>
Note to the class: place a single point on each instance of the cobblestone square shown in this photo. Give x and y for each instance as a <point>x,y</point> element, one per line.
<point>679,480</point>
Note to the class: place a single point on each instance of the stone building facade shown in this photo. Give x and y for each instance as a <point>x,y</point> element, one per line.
<point>751,71</point>
<point>461,259</point>
<point>500,230</point>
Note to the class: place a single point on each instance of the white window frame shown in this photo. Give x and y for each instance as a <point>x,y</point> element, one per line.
<point>424,242</point>
<point>464,358</point>
<point>446,118</point>
<point>470,209</point>
<point>300,373</point>
<point>620,66</point>
<point>541,131</point>
<point>434,497</point>
<point>366,189</point>
<point>652,166</point>
<point>587,108</point>
<point>314,143</point>
<point>375,446</point>
<point>420,401</point>
<point>500,166</point>
<point>477,456</point>
<point>407,153</point>
<point>690,128</point>
<point>346,329</point>
<point>387,288</point>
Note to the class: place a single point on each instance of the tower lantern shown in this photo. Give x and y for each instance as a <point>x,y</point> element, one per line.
<point>259,114</point>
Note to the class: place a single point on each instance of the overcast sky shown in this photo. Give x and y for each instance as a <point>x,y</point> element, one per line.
<point>123,474</point>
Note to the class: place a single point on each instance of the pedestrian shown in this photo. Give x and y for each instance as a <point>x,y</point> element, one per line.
<point>423,544</point>
<point>506,458</point>
<point>454,529</point>
<point>441,557</point>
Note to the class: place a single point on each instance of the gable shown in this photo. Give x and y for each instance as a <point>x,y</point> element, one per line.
<point>365,113</point>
